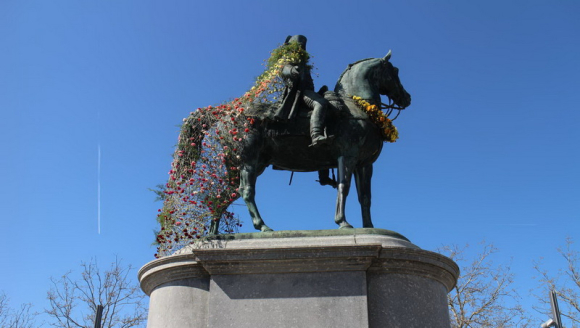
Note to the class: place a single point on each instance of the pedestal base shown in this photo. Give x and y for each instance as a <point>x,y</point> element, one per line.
<point>328,278</point>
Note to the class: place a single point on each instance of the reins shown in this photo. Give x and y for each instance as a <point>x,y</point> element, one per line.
<point>390,107</point>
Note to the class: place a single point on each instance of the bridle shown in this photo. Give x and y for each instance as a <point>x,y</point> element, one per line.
<point>390,107</point>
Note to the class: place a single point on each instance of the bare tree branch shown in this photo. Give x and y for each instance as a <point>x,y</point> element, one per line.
<point>483,296</point>
<point>566,284</point>
<point>20,318</point>
<point>73,303</point>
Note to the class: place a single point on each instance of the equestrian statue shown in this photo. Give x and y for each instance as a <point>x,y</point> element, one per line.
<point>300,131</point>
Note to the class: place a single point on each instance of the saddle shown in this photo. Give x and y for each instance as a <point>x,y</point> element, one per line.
<point>339,108</point>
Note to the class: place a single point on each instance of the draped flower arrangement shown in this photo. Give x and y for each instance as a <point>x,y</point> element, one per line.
<point>377,116</point>
<point>269,85</point>
<point>204,176</point>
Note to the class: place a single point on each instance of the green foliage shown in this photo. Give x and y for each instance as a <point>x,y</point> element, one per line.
<point>290,53</point>
<point>159,192</point>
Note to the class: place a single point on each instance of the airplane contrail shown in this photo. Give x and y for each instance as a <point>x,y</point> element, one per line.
<point>99,189</point>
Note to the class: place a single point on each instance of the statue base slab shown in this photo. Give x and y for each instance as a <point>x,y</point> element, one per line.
<point>325,278</point>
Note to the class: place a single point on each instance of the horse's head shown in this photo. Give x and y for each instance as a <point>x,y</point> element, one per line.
<point>390,85</point>
<point>372,77</point>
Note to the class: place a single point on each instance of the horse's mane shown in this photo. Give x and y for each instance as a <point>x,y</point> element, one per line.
<point>353,64</point>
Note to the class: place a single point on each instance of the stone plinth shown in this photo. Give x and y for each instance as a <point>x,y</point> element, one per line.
<point>327,278</point>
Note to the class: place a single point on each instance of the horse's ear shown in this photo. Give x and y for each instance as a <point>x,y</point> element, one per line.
<point>388,56</point>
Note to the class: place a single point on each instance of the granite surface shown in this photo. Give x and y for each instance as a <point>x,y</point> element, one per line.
<point>327,278</point>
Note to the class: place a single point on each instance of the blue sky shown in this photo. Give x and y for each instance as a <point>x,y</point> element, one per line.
<point>488,149</point>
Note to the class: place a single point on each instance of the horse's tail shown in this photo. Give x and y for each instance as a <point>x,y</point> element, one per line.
<point>191,136</point>
<point>203,180</point>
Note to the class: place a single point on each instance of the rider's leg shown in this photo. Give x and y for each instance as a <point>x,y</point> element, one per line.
<point>318,105</point>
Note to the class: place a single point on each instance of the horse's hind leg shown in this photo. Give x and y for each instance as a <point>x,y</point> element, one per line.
<point>248,176</point>
<point>214,227</point>
<point>362,178</point>
<point>345,166</point>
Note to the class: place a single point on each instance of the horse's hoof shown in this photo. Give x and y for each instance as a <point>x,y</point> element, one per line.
<point>345,225</point>
<point>265,228</point>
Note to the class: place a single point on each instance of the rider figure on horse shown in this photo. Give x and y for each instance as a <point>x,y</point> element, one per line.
<point>299,91</point>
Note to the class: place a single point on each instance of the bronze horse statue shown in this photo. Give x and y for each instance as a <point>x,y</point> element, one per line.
<point>358,141</point>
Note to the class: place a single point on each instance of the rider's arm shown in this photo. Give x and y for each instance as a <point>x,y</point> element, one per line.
<point>290,72</point>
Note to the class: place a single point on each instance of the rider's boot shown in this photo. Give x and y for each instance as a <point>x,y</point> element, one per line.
<point>317,129</point>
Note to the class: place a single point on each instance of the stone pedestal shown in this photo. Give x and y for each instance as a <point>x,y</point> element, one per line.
<point>327,278</point>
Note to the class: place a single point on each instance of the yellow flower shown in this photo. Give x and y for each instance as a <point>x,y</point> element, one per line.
<point>389,131</point>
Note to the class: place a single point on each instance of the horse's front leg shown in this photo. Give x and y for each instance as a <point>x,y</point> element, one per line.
<point>345,167</point>
<point>362,178</point>
<point>248,176</point>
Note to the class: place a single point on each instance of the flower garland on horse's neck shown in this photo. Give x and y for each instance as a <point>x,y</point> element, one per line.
<point>377,116</point>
